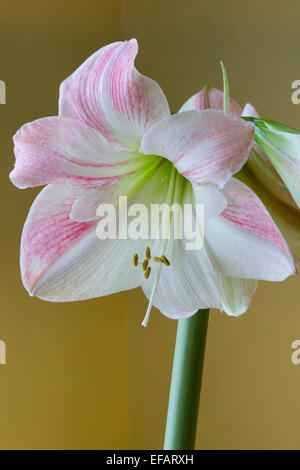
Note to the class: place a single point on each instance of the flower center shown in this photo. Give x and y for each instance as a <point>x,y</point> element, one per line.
<point>176,186</point>
<point>163,178</point>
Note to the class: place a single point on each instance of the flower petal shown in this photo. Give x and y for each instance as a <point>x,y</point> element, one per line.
<point>63,260</point>
<point>187,285</point>
<point>207,147</point>
<point>279,145</point>
<point>236,294</point>
<point>109,94</point>
<point>288,167</point>
<point>281,207</point>
<point>190,282</point>
<point>85,207</point>
<point>249,111</point>
<point>212,199</point>
<point>210,98</point>
<point>58,265</point>
<point>244,242</point>
<point>54,148</point>
<point>284,138</point>
<point>245,210</point>
<point>260,163</point>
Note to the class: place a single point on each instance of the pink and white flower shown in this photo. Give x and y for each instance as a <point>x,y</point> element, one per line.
<point>114,135</point>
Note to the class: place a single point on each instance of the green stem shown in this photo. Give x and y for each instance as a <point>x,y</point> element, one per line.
<point>186,382</point>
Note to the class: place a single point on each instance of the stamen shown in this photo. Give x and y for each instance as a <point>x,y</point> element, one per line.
<point>135,259</point>
<point>148,253</point>
<point>165,260</point>
<point>147,272</point>
<point>145,264</point>
<point>159,260</point>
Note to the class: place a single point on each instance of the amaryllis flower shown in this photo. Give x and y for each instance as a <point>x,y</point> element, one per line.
<point>114,135</point>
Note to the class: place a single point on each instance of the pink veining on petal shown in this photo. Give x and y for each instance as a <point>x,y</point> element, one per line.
<point>212,145</point>
<point>245,210</point>
<point>57,148</point>
<point>77,94</point>
<point>210,98</point>
<point>216,98</point>
<point>83,182</point>
<point>207,147</point>
<point>109,94</point>
<point>46,237</point>
<point>201,99</point>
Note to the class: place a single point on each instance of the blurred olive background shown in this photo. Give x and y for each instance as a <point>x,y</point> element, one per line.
<point>87,375</point>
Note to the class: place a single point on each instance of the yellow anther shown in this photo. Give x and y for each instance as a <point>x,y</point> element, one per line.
<point>165,260</point>
<point>157,259</point>
<point>147,272</point>
<point>135,259</point>
<point>145,264</point>
<point>148,253</point>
